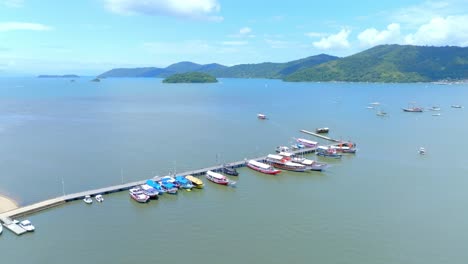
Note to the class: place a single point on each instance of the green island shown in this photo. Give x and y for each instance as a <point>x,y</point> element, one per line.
<point>190,77</point>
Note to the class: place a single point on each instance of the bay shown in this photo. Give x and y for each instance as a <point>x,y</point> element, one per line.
<point>386,204</point>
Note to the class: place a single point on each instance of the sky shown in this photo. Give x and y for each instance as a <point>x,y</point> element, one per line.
<point>88,37</point>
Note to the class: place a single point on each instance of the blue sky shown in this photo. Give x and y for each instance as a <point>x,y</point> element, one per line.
<point>91,36</point>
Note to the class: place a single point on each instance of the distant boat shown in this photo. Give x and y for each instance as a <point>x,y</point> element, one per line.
<point>375,103</point>
<point>434,108</point>
<point>327,152</point>
<point>456,106</point>
<point>138,195</point>
<point>87,199</point>
<point>217,178</point>
<point>322,130</point>
<point>414,109</point>
<point>422,151</point>
<point>26,225</point>
<point>381,113</point>
<point>282,149</point>
<point>96,80</point>
<point>261,116</point>
<point>285,163</point>
<point>229,170</point>
<point>99,198</point>
<point>437,114</point>
<point>307,143</point>
<point>262,167</point>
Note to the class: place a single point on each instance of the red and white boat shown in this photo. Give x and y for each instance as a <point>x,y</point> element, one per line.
<point>216,178</point>
<point>138,195</point>
<point>307,143</point>
<point>261,116</point>
<point>262,167</point>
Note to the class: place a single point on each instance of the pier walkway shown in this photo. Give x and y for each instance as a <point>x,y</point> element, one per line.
<point>33,208</point>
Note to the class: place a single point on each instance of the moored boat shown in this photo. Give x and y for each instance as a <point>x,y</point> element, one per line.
<point>216,178</point>
<point>99,198</point>
<point>150,191</point>
<point>456,106</point>
<point>307,143</point>
<point>229,170</point>
<point>156,185</point>
<point>195,181</point>
<point>345,148</point>
<point>322,130</point>
<point>26,225</point>
<point>261,116</point>
<point>169,187</point>
<point>282,149</point>
<point>138,195</point>
<point>311,164</point>
<point>327,152</point>
<point>262,167</point>
<point>184,183</point>
<point>285,163</point>
<point>87,199</point>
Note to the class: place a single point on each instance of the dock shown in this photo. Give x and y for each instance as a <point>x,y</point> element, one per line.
<point>12,226</point>
<point>6,217</point>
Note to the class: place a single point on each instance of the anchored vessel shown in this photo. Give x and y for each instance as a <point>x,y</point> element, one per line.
<point>216,178</point>
<point>262,167</point>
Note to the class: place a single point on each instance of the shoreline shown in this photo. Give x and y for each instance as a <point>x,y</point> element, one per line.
<point>7,204</point>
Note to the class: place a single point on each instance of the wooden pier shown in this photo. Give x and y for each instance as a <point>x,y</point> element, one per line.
<point>320,136</point>
<point>13,226</point>
<point>6,217</point>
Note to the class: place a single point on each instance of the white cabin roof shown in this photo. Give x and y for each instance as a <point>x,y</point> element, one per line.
<point>285,154</point>
<point>273,156</point>
<point>216,175</point>
<point>259,164</point>
<point>307,141</point>
<point>322,147</point>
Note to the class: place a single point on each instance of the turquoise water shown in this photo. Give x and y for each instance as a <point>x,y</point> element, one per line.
<point>387,204</point>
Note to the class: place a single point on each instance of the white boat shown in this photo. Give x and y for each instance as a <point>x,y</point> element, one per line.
<point>422,151</point>
<point>307,143</point>
<point>99,198</point>
<point>26,225</point>
<point>1,229</point>
<point>217,178</point>
<point>88,199</point>
<point>137,194</point>
<point>261,116</point>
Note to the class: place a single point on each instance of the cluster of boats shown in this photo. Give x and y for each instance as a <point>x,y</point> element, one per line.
<point>88,200</point>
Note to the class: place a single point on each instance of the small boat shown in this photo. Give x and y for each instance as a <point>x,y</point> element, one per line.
<point>217,178</point>
<point>138,195</point>
<point>322,130</point>
<point>327,152</point>
<point>87,199</point>
<point>229,171</point>
<point>381,113</point>
<point>456,106</point>
<point>422,151</point>
<point>347,147</point>
<point>282,149</point>
<point>311,164</point>
<point>99,198</point>
<point>156,185</point>
<point>184,183</point>
<point>171,180</point>
<point>438,114</point>
<point>150,191</point>
<point>285,163</point>
<point>297,146</point>
<point>195,181</point>
<point>370,107</point>
<point>374,103</point>
<point>262,167</point>
<point>434,108</point>
<point>26,225</point>
<point>261,116</point>
<point>169,187</point>
<point>412,108</point>
<point>307,143</point>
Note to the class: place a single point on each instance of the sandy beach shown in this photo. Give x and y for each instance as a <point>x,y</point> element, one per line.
<point>7,204</point>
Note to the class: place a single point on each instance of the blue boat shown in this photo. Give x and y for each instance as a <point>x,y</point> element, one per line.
<point>183,182</point>
<point>169,187</point>
<point>156,186</point>
<point>327,152</point>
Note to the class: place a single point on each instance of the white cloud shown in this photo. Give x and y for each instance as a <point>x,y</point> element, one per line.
<point>337,41</point>
<point>372,37</point>
<point>192,9</point>
<point>451,30</point>
<point>12,3</point>
<point>278,44</point>
<point>234,43</point>
<point>245,30</point>
<point>12,26</point>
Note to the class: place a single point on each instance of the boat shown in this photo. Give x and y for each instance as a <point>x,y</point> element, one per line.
<point>26,225</point>
<point>195,181</point>
<point>217,178</point>
<point>156,185</point>
<point>261,116</point>
<point>282,149</point>
<point>381,113</point>
<point>262,167</point>
<point>414,109</point>
<point>99,198</point>
<point>138,195</point>
<point>169,187</point>
<point>311,164</point>
<point>438,114</point>
<point>1,229</point>
<point>87,199</point>
<point>434,108</point>
<point>345,148</point>
<point>285,163</point>
<point>229,170</point>
<point>150,191</point>
<point>171,180</point>
<point>307,143</point>
<point>456,106</point>
<point>297,146</point>
<point>422,151</point>
<point>327,152</point>
<point>184,183</point>
<point>322,130</point>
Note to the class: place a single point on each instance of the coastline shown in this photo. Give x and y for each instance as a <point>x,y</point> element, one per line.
<point>7,204</point>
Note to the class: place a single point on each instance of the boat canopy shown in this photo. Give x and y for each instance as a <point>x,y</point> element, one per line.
<point>293,164</point>
<point>276,157</point>
<point>259,164</point>
<point>216,175</point>
<point>286,154</point>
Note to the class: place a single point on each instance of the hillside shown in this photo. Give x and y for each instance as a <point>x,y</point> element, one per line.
<point>190,77</point>
<point>180,67</point>
<point>59,76</point>
<point>391,63</point>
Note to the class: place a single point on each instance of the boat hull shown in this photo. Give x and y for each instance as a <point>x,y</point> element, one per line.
<point>270,172</point>
<point>328,155</point>
<point>218,182</point>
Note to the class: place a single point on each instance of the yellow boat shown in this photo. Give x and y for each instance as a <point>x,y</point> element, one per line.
<point>196,182</point>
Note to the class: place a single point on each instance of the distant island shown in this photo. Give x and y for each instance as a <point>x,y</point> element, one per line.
<point>190,77</point>
<point>383,63</point>
<point>59,76</point>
